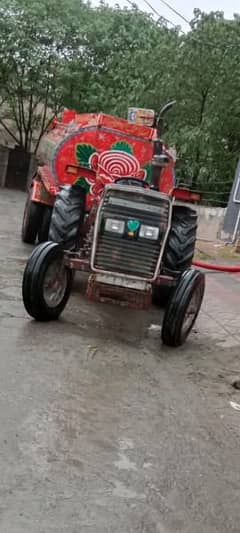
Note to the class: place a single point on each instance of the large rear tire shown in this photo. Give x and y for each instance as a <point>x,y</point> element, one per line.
<point>32,218</point>
<point>47,282</point>
<point>67,216</point>
<point>45,224</point>
<point>180,246</point>
<point>183,308</point>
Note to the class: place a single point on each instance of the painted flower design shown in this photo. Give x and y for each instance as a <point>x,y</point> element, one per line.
<point>112,164</point>
<point>107,166</point>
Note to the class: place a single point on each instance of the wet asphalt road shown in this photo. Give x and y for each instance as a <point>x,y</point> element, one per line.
<point>102,429</point>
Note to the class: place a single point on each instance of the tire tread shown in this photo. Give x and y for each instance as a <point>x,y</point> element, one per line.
<point>181,241</point>
<point>67,216</point>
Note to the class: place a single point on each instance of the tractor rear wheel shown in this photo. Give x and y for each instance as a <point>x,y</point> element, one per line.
<point>32,219</point>
<point>67,216</point>
<point>180,246</point>
<point>47,282</point>
<point>45,224</point>
<point>183,307</point>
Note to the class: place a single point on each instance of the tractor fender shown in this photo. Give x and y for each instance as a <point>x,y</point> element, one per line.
<point>185,195</point>
<point>44,188</point>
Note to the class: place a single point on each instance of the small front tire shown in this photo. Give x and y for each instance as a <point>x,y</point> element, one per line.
<point>183,308</point>
<point>47,282</point>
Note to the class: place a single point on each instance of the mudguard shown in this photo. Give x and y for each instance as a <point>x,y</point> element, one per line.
<point>43,187</point>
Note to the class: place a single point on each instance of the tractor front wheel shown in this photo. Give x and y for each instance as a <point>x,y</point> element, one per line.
<point>183,307</point>
<point>47,282</point>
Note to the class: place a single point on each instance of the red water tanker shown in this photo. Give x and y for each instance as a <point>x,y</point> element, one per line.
<point>92,150</point>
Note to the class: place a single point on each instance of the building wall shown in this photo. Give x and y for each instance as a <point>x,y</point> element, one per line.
<point>210,221</point>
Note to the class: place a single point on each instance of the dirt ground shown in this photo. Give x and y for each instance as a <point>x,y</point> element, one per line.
<point>218,252</point>
<point>103,430</point>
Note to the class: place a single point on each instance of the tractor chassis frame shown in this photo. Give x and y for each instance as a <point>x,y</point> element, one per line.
<point>126,296</point>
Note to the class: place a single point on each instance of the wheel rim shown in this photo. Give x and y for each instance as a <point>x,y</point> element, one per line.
<point>192,310</point>
<point>55,283</point>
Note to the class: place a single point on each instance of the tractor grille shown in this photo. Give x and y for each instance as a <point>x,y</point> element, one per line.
<point>130,255</point>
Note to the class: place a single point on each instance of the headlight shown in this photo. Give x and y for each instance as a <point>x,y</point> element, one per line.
<point>115,226</point>
<point>149,232</point>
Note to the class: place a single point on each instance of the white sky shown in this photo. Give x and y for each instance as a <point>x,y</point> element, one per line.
<point>229,7</point>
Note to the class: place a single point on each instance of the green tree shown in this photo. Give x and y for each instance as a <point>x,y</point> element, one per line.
<point>128,58</point>
<point>207,121</point>
<point>55,54</point>
<point>37,42</point>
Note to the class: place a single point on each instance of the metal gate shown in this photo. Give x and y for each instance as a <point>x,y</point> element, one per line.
<point>17,170</point>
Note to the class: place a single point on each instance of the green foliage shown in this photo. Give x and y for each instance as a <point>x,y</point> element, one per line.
<point>38,40</point>
<point>206,125</point>
<point>55,54</point>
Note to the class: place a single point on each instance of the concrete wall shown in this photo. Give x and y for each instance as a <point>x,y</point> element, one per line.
<point>210,221</point>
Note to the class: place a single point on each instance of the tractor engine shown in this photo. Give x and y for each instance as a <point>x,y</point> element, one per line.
<point>130,232</point>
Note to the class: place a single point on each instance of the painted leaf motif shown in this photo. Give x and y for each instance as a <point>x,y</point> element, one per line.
<point>148,168</point>
<point>83,153</point>
<point>82,182</point>
<point>123,146</point>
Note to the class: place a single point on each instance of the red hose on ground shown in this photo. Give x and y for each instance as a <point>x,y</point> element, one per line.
<point>220,268</point>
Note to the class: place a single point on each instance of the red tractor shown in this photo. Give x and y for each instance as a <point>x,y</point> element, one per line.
<point>105,201</point>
